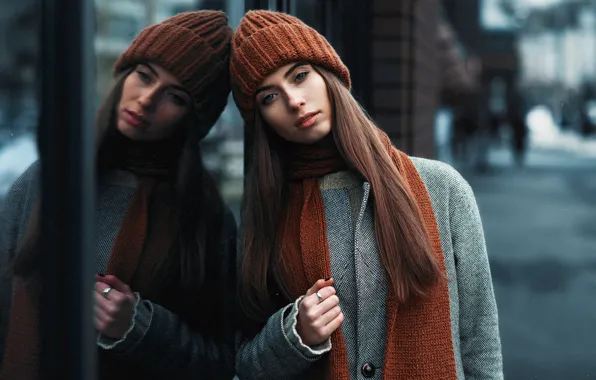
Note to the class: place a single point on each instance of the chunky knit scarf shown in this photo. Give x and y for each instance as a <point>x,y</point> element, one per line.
<point>419,344</point>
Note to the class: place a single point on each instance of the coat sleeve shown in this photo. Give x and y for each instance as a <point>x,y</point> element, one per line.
<point>15,211</point>
<point>275,351</point>
<point>272,353</point>
<point>478,318</point>
<point>163,341</point>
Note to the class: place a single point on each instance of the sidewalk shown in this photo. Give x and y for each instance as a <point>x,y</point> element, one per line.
<point>540,226</point>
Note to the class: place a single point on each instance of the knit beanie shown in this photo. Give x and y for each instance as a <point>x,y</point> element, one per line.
<point>195,48</point>
<point>265,41</point>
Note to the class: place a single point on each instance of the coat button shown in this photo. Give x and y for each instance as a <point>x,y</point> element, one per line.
<point>368,370</point>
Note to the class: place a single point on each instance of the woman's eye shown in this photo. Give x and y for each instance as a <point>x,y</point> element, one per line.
<point>301,75</point>
<point>144,76</point>
<point>178,100</point>
<point>268,99</point>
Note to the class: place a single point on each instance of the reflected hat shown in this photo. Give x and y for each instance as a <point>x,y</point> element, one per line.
<point>194,47</point>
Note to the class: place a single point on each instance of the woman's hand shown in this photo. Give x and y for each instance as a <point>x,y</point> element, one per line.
<point>319,314</point>
<point>114,308</point>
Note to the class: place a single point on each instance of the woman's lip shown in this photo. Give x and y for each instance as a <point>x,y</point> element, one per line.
<point>308,120</point>
<point>134,119</point>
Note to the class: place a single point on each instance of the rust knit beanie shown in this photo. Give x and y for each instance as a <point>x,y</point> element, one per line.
<point>194,47</point>
<point>265,41</point>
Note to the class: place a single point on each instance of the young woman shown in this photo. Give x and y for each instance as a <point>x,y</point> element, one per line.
<point>165,249</point>
<point>357,260</point>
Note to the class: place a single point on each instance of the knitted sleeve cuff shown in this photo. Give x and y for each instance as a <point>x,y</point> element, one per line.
<point>290,323</point>
<point>141,320</point>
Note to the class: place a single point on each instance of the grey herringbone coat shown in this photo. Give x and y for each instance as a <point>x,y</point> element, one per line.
<point>277,351</point>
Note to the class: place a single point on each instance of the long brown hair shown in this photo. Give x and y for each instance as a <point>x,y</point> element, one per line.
<point>404,248</point>
<point>198,203</point>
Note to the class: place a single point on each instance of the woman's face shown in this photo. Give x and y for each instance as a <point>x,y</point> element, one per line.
<point>293,101</point>
<point>152,105</point>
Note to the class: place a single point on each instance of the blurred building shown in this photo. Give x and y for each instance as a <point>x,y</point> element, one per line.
<point>554,34</point>
<point>557,46</point>
<point>492,38</point>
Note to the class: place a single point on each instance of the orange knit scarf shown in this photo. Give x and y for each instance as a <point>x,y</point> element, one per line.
<point>419,337</point>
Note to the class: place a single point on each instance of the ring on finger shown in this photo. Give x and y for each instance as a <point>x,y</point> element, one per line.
<point>106,292</point>
<point>319,296</point>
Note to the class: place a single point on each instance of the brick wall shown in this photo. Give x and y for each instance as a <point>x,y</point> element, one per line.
<point>404,81</point>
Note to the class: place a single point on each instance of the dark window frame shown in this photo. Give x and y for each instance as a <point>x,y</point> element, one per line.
<point>66,146</point>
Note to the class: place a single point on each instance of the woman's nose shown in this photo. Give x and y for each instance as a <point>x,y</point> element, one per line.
<point>147,98</point>
<point>296,101</point>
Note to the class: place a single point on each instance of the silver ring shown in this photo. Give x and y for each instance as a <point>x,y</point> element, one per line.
<point>319,297</point>
<point>105,292</point>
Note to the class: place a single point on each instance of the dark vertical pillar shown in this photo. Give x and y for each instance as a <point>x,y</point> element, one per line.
<point>66,144</point>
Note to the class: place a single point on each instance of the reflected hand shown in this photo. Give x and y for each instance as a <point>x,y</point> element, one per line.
<point>113,310</point>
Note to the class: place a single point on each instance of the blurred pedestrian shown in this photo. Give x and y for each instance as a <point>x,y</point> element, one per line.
<point>519,131</point>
